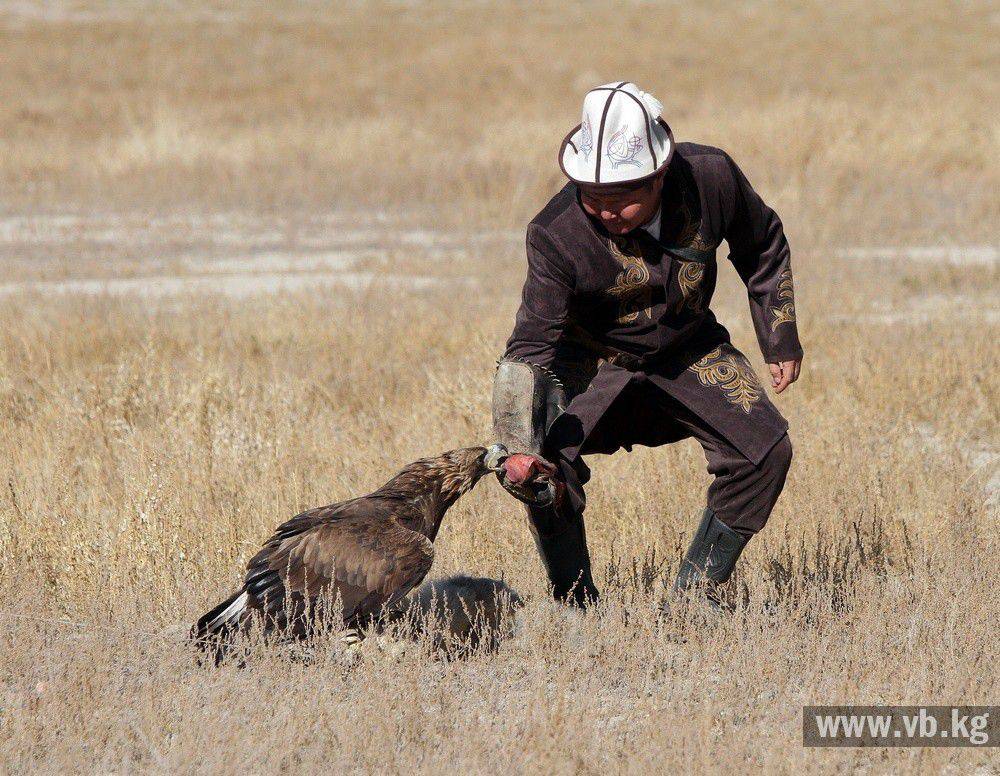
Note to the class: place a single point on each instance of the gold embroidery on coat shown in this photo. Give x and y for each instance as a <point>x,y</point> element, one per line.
<point>689,277</point>
<point>631,287</point>
<point>688,233</point>
<point>785,312</point>
<point>699,243</point>
<point>733,374</point>
<point>690,274</point>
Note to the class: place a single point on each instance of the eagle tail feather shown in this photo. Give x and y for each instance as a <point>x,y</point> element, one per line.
<point>223,614</point>
<point>214,628</point>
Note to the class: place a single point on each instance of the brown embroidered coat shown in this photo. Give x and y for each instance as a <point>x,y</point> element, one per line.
<point>598,309</point>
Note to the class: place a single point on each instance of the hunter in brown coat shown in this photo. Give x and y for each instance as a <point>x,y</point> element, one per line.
<point>617,308</point>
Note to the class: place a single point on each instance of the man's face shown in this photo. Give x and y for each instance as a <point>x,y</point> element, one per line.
<point>621,210</point>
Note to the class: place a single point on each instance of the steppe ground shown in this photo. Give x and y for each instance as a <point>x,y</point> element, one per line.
<point>256,256</point>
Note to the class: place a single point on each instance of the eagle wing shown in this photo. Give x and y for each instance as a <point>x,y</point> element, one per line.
<point>355,551</point>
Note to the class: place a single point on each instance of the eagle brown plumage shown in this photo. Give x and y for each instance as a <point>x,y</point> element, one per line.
<point>366,553</point>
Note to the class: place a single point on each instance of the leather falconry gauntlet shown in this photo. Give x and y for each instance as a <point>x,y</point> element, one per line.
<point>526,400</point>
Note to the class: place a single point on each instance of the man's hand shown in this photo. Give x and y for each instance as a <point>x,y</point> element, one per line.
<point>784,373</point>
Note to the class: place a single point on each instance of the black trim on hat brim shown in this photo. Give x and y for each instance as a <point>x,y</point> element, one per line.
<point>618,184</point>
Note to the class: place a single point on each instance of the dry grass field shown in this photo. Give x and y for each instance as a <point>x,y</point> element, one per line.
<point>256,256</point>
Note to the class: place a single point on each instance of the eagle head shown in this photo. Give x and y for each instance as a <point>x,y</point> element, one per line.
<point>465,466</point>
<point>440,481</point>
<point>456,472</point>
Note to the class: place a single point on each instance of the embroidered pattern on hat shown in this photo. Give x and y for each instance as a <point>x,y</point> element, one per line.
<point>586,139</point>
<point>623,148</point>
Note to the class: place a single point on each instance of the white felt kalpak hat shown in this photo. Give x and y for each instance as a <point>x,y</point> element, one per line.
<point>621,138</point>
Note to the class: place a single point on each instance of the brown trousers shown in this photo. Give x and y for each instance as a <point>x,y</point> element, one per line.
<point>742,494</point>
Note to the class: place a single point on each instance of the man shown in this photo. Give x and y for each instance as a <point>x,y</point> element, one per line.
<point>614,344</point>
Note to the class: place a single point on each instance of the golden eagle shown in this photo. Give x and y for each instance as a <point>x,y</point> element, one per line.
<point>365,554</point>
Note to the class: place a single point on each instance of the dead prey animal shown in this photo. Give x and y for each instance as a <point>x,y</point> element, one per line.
<point>365,554</point>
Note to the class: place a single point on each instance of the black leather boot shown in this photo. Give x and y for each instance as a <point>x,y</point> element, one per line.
<point>711,558</point>
<point>562,544</point>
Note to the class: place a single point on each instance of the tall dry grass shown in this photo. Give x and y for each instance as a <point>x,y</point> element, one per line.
<point>150,443</point>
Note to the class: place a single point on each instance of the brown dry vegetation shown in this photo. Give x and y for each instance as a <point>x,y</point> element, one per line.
<point>149,442</point>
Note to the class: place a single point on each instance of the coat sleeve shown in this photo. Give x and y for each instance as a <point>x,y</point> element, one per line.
<point>545,301</point>
<point>759,251</point>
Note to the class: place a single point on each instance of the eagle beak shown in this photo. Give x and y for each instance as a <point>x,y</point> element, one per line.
<point>494,458</point>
